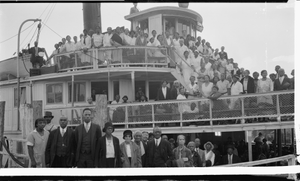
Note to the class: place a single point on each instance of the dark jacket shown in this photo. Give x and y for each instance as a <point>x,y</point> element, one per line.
<point>197,162</point>
<point>52,146</point>
<point>173,93</point>
<point>160,95</point>
<point>32,52</point>
<point>279,87</point>
<point>96,134</point>
<point>101,152</point>
<point>250,86</point>
<point>235,159</point>
<point>164,150</point>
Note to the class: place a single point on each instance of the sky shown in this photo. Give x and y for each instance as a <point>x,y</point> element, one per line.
<point>257,36</point>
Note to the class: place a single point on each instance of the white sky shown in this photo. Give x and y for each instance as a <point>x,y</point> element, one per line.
<point>256,35</point>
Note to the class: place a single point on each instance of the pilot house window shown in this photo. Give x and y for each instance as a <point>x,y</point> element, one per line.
<point>79,92</point>
<point>54,93</point>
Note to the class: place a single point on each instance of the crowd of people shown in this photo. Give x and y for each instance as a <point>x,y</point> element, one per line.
<point>85,147</point>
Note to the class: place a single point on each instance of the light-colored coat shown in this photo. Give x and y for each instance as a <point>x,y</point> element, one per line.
<point>136,160</point>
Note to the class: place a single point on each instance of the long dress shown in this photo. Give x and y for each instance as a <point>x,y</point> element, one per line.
<point>262,87</point>
<point>186,70</point>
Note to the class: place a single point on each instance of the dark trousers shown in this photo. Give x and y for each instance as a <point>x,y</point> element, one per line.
<point>110,163</point>
<point>85,161</point>
<point>59,162</point>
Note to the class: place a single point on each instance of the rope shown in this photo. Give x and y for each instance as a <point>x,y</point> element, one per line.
<point>10,154</point>
<point>24,64</point>
<point>52,30</point>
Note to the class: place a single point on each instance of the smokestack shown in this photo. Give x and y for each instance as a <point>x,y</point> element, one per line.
<point>92,16</point>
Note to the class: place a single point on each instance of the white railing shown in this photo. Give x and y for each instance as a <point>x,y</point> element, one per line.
<point>179,113</point>
<point>111,57</point>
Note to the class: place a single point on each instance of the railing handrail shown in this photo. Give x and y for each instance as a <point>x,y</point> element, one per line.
<point>261,162</point>
<point>180,101</point>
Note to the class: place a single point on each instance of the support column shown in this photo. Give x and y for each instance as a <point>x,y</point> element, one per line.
<point>133,85</point>
<point>249,138</point>
<point>110,88</point>
<point>72,99</point>
<point>101,110</point>
<point>279,143</point>
<point>2,111</point>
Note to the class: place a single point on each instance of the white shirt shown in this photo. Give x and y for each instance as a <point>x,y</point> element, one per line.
<point>281,79</point>
<point>236,88</point>
<point>63,130</point>
<point>157,141</point>
<point>210,156</point>
<point>133,40</point>
<point>222,85</point>
<point>110,150</point>
<point>88,41</point>
<point>69,47</point>
<point>106,40</point>
<point>128,150</point>
<point>180,97</point>
<point>77,46</point>
<point>208,66</point>
<point>98,39</point>
<point>87,125</point>
<point>164,91</point>
<point>127,39</point>
<point>181,50</point>
<point>245,83</point>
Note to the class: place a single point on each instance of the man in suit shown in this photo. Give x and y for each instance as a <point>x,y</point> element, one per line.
<point>108,149</point>
<point>283,83</point>
<point>59,150</point>
<point>248,87</point>
<point>86,138</point>
<point>158,153</point>
<point>163,93</point>
<point>35,58</point>
<point>230,158</point>
<point>248,83</point>
<point>143,147</point>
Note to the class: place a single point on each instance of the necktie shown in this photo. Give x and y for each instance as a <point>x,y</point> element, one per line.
<point>62,132</point>
<point>230,161</point>
<point>36,51</point>
<point>156,142</point>
<point>84,40</point>
<point>86,128</point>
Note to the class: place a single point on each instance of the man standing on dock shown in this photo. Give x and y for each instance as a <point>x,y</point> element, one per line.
<point>59,151</point>
<point>86,138</point>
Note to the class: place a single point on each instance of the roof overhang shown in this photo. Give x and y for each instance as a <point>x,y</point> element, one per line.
<point>168,11</point>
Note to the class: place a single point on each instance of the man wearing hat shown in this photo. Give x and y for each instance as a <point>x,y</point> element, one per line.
<point>108,149</point>
<point>86,136</point>
<point>230,158</point>
<point>48,117</point>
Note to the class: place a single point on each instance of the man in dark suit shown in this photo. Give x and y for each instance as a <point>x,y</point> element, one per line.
<point>163,93</point>
<point>230,158</point>
<point>86,138</point>
<point>158,153</point>
<point>108,149</point>
<point>283,83</point>
<point>250,87</point>
<point>60,151</point>
<point>35,58</point>
<point>143,147</point>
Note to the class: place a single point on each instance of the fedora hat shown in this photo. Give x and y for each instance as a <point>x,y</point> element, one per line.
<point>48,114</point>
<point>108,124</point>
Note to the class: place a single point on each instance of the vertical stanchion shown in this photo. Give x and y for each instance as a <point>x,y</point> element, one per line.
<point>126,117</point>
<point>153,116</point>
<point>210,113</point>
<point>249,138</point>
<point>101,113</point>
<point>2,111</point>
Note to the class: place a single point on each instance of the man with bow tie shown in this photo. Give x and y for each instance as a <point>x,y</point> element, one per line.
<point>59,150</point>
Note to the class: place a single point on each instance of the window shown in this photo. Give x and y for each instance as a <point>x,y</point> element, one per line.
<point>22,96</point>
<point>99,88</point>
<point>54,93</point>
<point>79,92</point>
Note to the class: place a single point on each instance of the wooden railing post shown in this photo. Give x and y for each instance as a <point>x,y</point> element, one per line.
<point>153,116</point>
<point>210,113</point>
<point>278,108</point>
<point>180,112</point>
<point>243,110</point>
<point>126,117</point>
<point>146,55</point>
<point>249,135</point>
<point>2,111</point>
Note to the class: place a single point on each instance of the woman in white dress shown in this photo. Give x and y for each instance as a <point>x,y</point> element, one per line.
<point>185,68</point>
<point>265,85</point>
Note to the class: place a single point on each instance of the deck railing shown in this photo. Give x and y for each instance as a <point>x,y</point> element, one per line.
<point>242,109</point>
<point>112,56</point>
